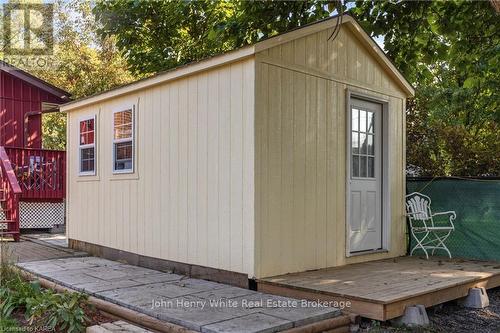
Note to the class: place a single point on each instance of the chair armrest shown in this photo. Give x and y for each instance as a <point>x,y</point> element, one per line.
<point>452,214</point>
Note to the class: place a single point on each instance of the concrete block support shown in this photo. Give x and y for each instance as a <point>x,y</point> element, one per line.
<point>414,316</point>
<point>476,299</point>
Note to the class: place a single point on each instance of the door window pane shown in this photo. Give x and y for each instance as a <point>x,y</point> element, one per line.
<point>355,143</point>
<point>363,142</point>
<point>371,167</point>
<point>370,146</point>
<point>362,164</point>
<point>362,121</point>
<point>355,119</point>
<point>371,122</point>
<point>355,165</point>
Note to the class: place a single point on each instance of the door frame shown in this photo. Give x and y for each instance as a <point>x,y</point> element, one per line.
<point>352,93</point>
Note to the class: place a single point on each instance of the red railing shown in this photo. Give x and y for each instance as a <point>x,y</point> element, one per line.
<point>41,173</point>
<point>11,191</point>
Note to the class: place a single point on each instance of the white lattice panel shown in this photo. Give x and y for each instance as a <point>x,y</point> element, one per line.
<point>41,214</point>
<point>2,217</point>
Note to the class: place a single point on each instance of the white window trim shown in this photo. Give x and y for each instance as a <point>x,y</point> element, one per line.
<point>93,145</point>
<point>114,141</point>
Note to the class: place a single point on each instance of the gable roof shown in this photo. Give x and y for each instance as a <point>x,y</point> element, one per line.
<point>248,51</point>
<point>33,80</point>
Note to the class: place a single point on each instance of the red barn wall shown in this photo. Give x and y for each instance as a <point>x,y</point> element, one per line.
<point>17,98</point>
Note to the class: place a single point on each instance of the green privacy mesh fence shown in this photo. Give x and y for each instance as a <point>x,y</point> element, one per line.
<point>477,204</point>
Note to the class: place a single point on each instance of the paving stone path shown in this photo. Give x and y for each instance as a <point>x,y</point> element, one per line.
<point>53,239</point>
<point>116,327</point>
<point>199,305</point>
<point>25,251</point>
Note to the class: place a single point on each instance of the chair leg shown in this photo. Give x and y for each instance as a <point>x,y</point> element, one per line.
<point>419,244</point>
<point>441,244</point>
<point>436,241</point>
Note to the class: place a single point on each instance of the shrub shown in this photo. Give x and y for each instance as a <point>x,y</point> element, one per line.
<point>63,312</point>
<point>8,325</point>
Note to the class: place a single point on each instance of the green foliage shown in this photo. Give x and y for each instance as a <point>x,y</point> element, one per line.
<point>62,311</point>
<point>83,63</point>
<point>54,131</point>
<point>450,51</point>
<point>161,34</point>
<point>8,325</point>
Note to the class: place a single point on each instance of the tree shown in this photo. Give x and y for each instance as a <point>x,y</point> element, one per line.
<point>450,51</point>
<point>161,34</point>
<point>84,63</point>
<point>447,49</point>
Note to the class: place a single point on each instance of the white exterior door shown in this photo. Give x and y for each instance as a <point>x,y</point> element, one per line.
<point>365,181</point>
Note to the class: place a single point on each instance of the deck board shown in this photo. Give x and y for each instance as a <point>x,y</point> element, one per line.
<point>387,285</point>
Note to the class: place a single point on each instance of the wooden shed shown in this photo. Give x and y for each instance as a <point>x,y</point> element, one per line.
<point>283,156</point>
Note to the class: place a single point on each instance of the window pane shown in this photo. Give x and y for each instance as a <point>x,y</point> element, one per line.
<point>362,121</point>
<point>123,155</point>
<point>371,167</point>
<point>123,165</point>
<point>355,143</point>
<point>362,164</point>
<point>123,124</point>
<point>355,120</point>
<point>123,150</point>
<point>87,153</point>
<point>371,147</point>
<point>355,166</point>
<point>123,131</point>
<point>123,117</point>
<point>363,142</point>
<point>87,132</point>
<point>87,160</point>
<point>87,125</point>
<point>371,122</point>
<point>87,138</point>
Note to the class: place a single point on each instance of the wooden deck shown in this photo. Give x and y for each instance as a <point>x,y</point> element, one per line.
<point>382,289</point>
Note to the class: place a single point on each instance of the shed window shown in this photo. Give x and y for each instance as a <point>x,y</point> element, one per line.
<point>123,141</point>
<point>87,146</point>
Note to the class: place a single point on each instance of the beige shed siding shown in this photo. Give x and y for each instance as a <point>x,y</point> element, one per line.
<point>300,151</point>
<point>191,198</point>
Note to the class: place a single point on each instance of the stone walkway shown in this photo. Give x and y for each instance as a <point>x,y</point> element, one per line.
<point>53,239</point>
<point>25,251</point>
<point>196,304</point>
<point>116,327</point>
